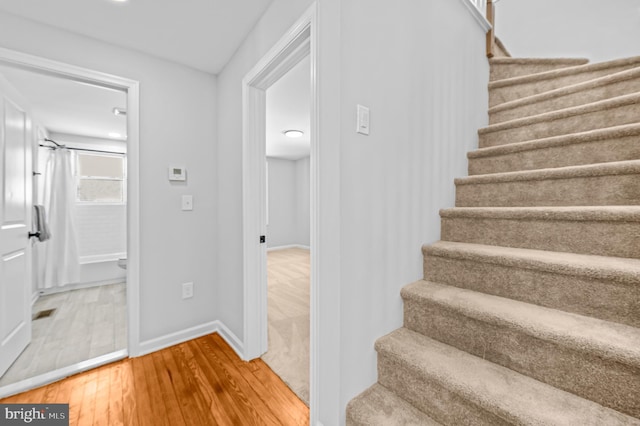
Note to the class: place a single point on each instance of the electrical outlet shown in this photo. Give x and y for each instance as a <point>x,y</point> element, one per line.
<point>187,290</point>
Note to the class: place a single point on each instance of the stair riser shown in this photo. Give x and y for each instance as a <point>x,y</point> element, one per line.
<point>610,383</point>
<point>595,94</point>
<point>501,71</point>
<point>428,395</point>
<point>579,191</point>
<point>601,151</point>
<point>602,238</point>
<point>606,299</point>
<point>599,119</point>
<point>498,95</point>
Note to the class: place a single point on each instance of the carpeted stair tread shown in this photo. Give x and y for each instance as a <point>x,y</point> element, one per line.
<point>519,87</point>
<point>623,270</point>
<point>590,213</point>
<point>608,340</point>
<point>598,230</point>
<point>623,143</point>
<point>498,391</point>
<point>507,67</point>
<point>379,406</point>
<point>609,86</point>
<point>562,186</point>
<point>591,358</point>
<point>586,170</point>
<point>600,114</point>
<point>601,287</point>
<point>616,63</point>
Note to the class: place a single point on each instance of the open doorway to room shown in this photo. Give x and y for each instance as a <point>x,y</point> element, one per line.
<point>76,291</point>
<point>288,227</point>
<point>299,44</point>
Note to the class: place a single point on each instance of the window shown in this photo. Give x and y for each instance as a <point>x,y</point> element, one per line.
<point>101,178</point>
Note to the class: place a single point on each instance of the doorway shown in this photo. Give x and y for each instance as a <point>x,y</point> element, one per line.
<point>297,44</point>
<point>288,227</point>
<point>104,175</point>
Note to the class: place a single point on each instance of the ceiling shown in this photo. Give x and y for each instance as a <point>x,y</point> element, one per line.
<point>288,108</point>
<point>176,31</point>
<point>65,106</point>
<point>201,34</point>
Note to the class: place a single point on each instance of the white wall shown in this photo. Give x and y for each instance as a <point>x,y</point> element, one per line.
<point>278,18</point>
<point>177,125</point>
<point>288,202</point>
<point>594,29</point>
<point>303,202</point>
<point>420,67</point>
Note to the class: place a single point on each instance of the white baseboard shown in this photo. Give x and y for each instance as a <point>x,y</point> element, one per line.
<point>178,337</point>
<point>61,373</point>
<point>34,297</point>
<point>231,339</point>
<point>288,247</point>
<point>69,287</point>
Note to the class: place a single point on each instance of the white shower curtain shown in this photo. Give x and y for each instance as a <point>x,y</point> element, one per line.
<point>61,260</point>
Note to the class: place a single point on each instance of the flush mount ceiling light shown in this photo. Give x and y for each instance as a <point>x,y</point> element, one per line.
<point>293,133</point>
<point>114,135</point>
<point>119,111</point>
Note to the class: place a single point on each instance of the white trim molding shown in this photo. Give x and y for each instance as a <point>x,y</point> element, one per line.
<point>172,339</point>
<point>132,89</point>
<point>300,41</point>
<point>61,373</point>
<point>291,49</point>
<point>289,246</point>
<point>477,14</point>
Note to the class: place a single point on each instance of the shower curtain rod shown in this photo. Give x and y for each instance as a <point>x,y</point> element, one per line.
<point>58,146</point>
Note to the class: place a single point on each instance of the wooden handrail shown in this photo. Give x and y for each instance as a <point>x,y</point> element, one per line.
<point>491,34</point>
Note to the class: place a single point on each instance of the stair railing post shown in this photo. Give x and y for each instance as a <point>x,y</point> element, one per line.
<point>491,35</point>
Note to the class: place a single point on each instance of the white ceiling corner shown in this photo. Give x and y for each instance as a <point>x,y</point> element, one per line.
<point>202,34</point>
<point>289,108</point>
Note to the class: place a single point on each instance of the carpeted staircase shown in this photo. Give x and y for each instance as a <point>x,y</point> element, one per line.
<point>529,311</point>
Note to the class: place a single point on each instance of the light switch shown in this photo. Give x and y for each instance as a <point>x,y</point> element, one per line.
<point>362,120</point>
<point>187,202</point>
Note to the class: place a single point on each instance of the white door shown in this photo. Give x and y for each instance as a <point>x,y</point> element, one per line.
<point>15,225</point>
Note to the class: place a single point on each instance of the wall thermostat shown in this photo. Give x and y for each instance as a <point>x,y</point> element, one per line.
<point>178,173</point>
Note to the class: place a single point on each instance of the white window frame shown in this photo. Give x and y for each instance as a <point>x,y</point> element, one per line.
<point>78,178</point>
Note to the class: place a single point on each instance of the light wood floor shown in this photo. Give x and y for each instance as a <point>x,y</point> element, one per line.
<point>288,316</point>
<point>200,382</point>
<point>86,324</point>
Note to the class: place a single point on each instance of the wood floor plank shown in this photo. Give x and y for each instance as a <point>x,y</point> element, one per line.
<point>88,404</point>
<point>214,395</point>
<point>248,409</point>
<point>101,412</point>
<point>155,391</point>
<point>282,401</point>
<point>260,411</point>
<point>169,398</point>
<point>200,383</point>
<point>75,398</point>
<point>115,414</point>
<point>195,409</point>
<point>129,395</point>
<point>144,408</point>
<point>51,393</point>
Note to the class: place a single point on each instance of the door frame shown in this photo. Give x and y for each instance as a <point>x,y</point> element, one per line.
<point>132,90</point>
<point>300,41</point>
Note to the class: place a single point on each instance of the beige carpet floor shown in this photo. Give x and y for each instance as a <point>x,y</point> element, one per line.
<point>86,323</point>
<point>288,312</point>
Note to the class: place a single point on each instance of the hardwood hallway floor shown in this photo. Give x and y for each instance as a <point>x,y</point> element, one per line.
<point>199,382</point>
